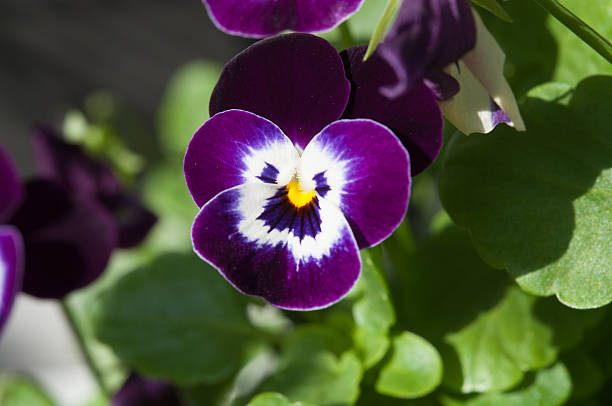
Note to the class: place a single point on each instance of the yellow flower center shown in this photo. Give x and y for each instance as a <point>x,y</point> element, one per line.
<point>296,194</point>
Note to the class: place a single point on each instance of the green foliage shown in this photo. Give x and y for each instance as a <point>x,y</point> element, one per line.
<point>381,28</point>
<point>549,387</point>
<point>311,370</point>
<point>495,8</point>
<point>184,107</point>
<point>274,399</point>
<point>537,203</point>
<point>373,311</point>
<point>176,318</point>
<point>18,390</point>
<point>414,369</point>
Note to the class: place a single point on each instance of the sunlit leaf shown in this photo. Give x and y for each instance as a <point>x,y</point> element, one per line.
<point>382,26</point>
<point>18,390</point>
<point>274,399</point>
<point>495,8</point>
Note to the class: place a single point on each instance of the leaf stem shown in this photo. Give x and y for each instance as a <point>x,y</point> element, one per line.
<point>71,319</point>
<point>346,35</point>
<point>595,40</point>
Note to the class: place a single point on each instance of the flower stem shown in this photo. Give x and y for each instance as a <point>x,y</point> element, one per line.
<point>71,318</point>
<point>578,27</point>
<point>346,35</point>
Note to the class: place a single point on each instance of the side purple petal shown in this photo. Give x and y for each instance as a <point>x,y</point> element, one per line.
<point>67,242</point>
<point>232,148</point>
<point>257,18</point>
<point>11,270</point>
<point>414,116</point>
<point>11,190</point>
<point>427,36</point>
<point>287,277</point>
<point>139,391</point>
<point>297,81</point>
<point>367,172</point>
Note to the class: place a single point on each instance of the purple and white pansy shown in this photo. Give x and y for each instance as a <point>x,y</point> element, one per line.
<point>292,179</point>
<point>261,18</point>
<point>11,245</point>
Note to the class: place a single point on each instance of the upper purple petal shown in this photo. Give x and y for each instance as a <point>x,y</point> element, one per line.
<point>298,259</point>
<point>138,391</point>
<point>10,187</point>
<point>232,148</point>
<point>68,242</point>
<point>261,18</point>
<point>89,179</point>
<point>11,269</point>
<point>297,81</point>
<point>367,174</point>
<point>426,36</point>
<point>414,116</point>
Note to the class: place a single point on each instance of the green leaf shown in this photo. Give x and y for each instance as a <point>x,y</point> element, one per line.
<point>587,377</point>
<point>18,390</point>
<point>576,59</point>
<point>538,203</point>
<point>274,399</point>
<point>373,311</point>
<point>495,8</point>
<point>501,344</point>
<point>381,27</point>
<point>184,106</point>
<point>176,318</point>
<point>549,387</point>
<point>414,369</point>
<point>310,371</point>
<point>361,24</point>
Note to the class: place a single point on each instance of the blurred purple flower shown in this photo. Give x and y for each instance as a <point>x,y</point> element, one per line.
<point>261,18</point>
<point>427,36</point>
<point>138,391</point>
<point>11,245</point>
<point>292,175</point>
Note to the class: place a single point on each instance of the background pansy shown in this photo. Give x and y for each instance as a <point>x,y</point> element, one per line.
<point>287,224</point>
<point>257,18</point>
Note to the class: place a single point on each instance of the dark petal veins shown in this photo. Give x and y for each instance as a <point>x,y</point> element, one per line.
<point>285,277</point>
<point>139,391</point>
<point>234,147</point>
<point>11,269</point>
<point>297,81</point>
<point>414,116</point>
<point>67,242</point>
<point>280,214</point>
<point>11,190</point>
<point>268,174</point>
<point>427,35</point>
<point>257,18</point>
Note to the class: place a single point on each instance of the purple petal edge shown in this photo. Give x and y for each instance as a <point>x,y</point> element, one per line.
<point>256,18</point>
<point>139,391</point>
<point>10,187</point>
<point>271,271</point>
<point>11,270</point>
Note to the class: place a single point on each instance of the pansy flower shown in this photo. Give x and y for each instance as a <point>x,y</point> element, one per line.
<point>261,18</point>
<point>291,181</point>
<point>11,245</point>
<point>139,391</point>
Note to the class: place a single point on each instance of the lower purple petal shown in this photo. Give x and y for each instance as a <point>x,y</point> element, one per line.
<point>414,116</point>
<point>257,18</point>
<point>367,173</point>
<point>132,218</point>
<point>270,259</point>
<point>10,187</point>
<point>68,242</point>
<point>11,269</point>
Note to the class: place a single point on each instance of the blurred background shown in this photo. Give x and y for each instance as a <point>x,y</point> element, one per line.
<point>56,54</point>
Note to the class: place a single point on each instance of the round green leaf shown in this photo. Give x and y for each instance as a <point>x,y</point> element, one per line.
<point>184,106</point>
<point>538,203</point>
<point>176,318</point>
<point>414,369</point>
<point>549,387</point>
<point>21,391</point>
